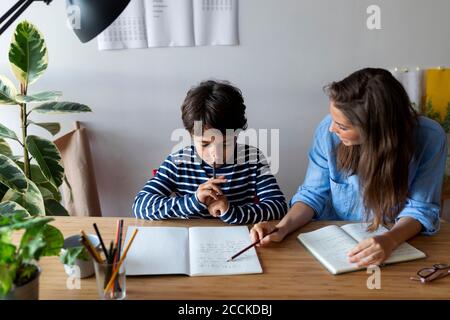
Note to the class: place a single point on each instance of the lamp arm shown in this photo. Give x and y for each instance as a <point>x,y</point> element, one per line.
<point>17,9</point>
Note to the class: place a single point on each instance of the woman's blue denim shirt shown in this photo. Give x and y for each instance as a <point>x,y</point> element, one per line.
<point>333,195</point>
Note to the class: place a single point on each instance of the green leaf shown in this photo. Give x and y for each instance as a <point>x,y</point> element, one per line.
<point>7,252</point>
<point>18,222</point>
<point>52,127</point>
<point>31,245</point>
<point>12,208</point>
<point>39,97</point>
<point>44,240</point>
<point>31,200</point>
<point>41,181</point>
<point>61,108</point>
<point>28,53</point>
<point>5,149</point>
<point>69,255</point>
<point>11,214</point>
<point>3,190</point>
<point>53,239</point>
<point>7,276</point>
<point>8,91</point>
<point>54,208</point>
<point>49,187</point>
<point>7,133</point>
<point>46,194</point>
<point>48,158</point>
<point>11,175</point>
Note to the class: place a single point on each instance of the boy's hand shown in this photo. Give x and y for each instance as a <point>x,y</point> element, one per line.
<point>219,206</point>
<point>372,251</point>
<point>209,191</point>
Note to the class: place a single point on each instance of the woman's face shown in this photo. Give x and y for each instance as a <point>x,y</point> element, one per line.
<point>342,127</point>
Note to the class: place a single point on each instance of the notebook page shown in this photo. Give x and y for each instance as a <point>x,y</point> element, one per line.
<point>210,247</point>
<point>157,250</point>
<point>330,246</point>
<point>404,252</point>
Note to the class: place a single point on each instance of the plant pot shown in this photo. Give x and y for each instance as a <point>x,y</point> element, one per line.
<point>28,291</point>
<point>81,268</point>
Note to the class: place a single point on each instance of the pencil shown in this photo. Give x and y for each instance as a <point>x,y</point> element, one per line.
<point>118,248</point>
<point>89,244</point>
<point>89,249</point>
<point>113,277</point>
<point>250,246</point>
<point>101,240</point>
<point>214,169</point>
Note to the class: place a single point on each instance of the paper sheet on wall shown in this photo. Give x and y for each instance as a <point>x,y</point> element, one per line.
<point>437,91</point>
<point>165,23</point>
<point>216,22</point>
<point>169,23</point>
<point>413,83</point>
<point>127,31</point>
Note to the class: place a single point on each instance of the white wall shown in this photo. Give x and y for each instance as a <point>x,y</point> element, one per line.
<point>289,50</point>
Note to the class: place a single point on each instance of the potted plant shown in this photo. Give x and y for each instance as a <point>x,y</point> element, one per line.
<point>32,179</point>
<point>29,183</point>
<point>19,272</point>
<point>77,261</point>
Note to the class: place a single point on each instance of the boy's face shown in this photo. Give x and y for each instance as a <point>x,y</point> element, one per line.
<point>213,146</point>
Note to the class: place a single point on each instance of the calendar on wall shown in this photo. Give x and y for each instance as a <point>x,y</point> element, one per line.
<point>173,23</point>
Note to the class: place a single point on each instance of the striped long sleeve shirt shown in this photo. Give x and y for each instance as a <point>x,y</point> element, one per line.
<point>252,191</point>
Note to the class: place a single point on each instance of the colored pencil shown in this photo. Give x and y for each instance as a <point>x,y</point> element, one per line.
<point>101,240</point>
<point>122,259</point>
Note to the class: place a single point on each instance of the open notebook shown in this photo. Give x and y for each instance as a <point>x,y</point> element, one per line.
<point>330,246</point>
<point>195,251</point>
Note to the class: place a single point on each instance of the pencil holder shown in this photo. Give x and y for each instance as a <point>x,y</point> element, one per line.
<point>104,272</point>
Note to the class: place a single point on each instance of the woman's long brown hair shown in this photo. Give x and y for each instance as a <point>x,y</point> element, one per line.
<point>378,105</point>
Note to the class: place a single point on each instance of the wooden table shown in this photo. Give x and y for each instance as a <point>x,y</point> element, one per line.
<point>290,272</point>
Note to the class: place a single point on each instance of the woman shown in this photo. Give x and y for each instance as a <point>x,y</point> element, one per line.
<point>373,159</point>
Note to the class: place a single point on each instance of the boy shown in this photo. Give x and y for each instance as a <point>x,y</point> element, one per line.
<point>214,177</point>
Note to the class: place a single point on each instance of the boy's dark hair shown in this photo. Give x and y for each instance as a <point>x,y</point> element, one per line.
<point>218,105</point>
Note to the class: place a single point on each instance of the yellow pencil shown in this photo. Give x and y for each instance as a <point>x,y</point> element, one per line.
<point>113,277</point>
<point>94,250</point>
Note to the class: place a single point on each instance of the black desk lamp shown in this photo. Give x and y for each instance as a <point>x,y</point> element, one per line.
<point>96,15</point>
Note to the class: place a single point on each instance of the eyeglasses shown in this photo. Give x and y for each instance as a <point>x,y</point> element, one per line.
<point>430,274</point>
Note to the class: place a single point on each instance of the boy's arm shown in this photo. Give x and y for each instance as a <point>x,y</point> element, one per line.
<point>271,206</point>
<point>154,201</point>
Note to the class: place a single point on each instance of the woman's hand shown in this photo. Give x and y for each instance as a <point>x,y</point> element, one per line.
<point>209,191</point>
<point>260,230</point>
<point>372,251</point>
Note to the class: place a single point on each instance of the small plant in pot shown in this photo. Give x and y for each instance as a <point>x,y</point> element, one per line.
<point>19,271</point>
<point>77,261</point>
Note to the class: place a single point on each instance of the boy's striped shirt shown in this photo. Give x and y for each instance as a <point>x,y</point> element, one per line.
<point>252,191</point>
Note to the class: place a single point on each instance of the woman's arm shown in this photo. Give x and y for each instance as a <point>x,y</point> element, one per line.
<point>311,197</point>
<point>375,250</point>
<point>299,215</point>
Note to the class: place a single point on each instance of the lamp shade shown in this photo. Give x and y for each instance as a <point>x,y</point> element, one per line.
<point>95,16</point>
